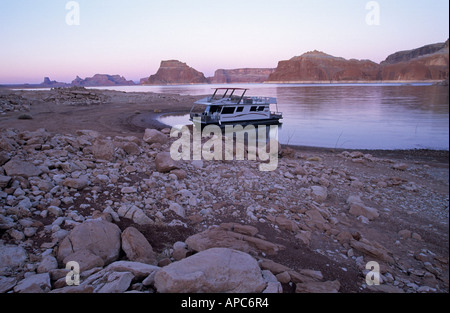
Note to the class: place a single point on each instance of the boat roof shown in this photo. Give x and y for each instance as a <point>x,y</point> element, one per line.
<point>225,88</point>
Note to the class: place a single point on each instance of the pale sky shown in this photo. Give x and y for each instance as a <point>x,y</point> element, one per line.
<point>130,38</point>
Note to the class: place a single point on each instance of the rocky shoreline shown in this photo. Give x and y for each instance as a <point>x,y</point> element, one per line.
<point>96,186</point>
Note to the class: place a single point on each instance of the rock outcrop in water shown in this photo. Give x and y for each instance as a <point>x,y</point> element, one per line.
<point>175,72</point>
<point>241,75</point>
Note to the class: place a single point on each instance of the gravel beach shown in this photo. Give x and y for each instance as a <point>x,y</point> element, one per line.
<point>76,161</point>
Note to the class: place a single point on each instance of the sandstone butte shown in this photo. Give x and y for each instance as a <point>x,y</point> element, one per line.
<point>175,72</point>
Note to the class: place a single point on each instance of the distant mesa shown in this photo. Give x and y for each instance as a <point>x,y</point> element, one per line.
<point>319,66</point>
<point>47,83</point>
<point>429,62</point>
<point>97,80</point>
<point>173,72</point>
<point>241,75</point>
<point>102,80</point>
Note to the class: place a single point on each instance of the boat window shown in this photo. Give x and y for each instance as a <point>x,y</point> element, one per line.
<point>253,109</point>
<point>240,109</point>
<point>214,108</point>
<point>261,108</point>
<point>228,110</point>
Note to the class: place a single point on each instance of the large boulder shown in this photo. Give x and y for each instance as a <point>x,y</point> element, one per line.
<point>155,136</point>
<point>103,149</point>
<point>117,277</point>
<point>136,247</point>
<point>11,258</point>
<point>164,162</point>
<point>357,208</point>
<point>215,270</point>
<point>39,283</point>
<point>100,237</point>
<point>221,238</point>
<point>319,193</point>
<point>134,213</point>
<point>21,168</point>
<point>77,183</point>
<point>4,181</point>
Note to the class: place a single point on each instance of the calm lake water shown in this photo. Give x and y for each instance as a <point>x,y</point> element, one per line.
<point>350,116</point>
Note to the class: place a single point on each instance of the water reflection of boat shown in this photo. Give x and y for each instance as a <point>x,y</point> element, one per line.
<point>227,106</point>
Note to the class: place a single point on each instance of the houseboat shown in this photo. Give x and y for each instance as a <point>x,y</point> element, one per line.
<point>232,106</point>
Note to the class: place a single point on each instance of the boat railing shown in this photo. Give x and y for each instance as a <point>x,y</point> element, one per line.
<point>263,100</point>
<point>245,100</point>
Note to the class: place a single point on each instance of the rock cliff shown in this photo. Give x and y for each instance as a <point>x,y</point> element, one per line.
<point>429,62</point>
<point>407,55</point>
<point>319,66</point>
<point>175,72</point>
<point>241,75</point>
<point>102,80</point>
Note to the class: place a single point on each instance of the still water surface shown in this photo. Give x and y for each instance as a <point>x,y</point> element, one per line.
<point>350,116</point>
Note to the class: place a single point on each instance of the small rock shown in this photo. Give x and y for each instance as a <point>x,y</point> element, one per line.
<point>180,173</point>
<point>178,209</point>
<point>11,258</point>
<point>77,183</point>
<point>136,247</point>
<point>405,234</point>
<point>4,181</point>
<point>286,224</point>
<point>318,287</point>
<point>164,162</point>
<point>7,283</point>
<point>319,193</point>
<point>21,168</point>
<point>283,277</point>
<point>400,166</point>
<point>118,282</point>
<point>128,190</point>
<point>155,136</point>
<point>39,283</point>
<point>47,264</point>
<point>359,209</point>
<point>103,149</point>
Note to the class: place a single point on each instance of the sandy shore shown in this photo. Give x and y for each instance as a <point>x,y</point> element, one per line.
<point>307,205</point>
